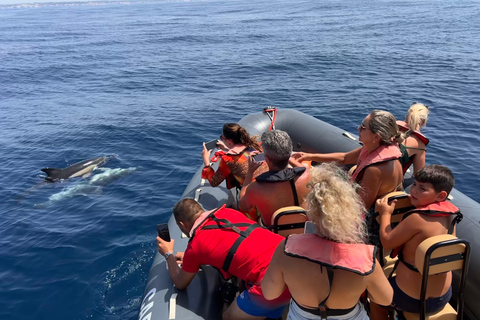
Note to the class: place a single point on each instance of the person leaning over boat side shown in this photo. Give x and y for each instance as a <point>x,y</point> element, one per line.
<point>238,146</point>
<point>277,188</point>
<point>327,272</point>
<point>227,240</point>
<point>432,216</point>
<point>378,169</point>
<point>414,143</point>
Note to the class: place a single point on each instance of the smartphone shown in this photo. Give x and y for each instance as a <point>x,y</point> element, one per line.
<point>259,157</point>
<point>162,230</point>
<point>210,145</point>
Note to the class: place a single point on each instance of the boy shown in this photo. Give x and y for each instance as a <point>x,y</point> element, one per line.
<point>432,216</point>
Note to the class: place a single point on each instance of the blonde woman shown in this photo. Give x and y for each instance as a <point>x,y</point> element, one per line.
<point>327,271</point>
<point>413,146</point>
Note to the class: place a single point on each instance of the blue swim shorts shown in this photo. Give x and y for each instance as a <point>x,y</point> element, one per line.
<point>255,304</point>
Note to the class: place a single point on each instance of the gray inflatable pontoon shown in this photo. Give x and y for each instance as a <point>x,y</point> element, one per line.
<point>202,300</point>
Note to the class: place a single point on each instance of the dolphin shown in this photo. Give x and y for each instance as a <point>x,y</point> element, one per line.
<point>80,169</point>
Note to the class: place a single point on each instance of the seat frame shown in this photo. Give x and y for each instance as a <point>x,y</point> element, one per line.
<point>429,262</point>
<point>292,210</point>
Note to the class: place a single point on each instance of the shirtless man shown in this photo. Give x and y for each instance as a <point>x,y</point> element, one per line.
<point>277,188</point>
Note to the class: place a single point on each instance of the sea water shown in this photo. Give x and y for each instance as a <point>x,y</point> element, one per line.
<point>149,81</point>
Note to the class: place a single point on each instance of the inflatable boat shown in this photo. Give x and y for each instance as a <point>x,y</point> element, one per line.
<point>202,298</point>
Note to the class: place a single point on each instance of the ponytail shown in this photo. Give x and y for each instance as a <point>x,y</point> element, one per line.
<point>385,125</point>
<point>417,116</point>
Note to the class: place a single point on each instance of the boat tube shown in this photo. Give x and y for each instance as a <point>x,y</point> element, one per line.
<point>202,298</point>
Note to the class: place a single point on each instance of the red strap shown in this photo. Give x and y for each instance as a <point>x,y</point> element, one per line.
<point>217,156</point>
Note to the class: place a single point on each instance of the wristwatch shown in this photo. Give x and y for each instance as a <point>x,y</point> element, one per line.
<point>168,254</point>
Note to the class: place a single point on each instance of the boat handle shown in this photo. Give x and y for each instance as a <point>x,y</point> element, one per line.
<point>348,135</point>
<point>173,306</point>
<point>197,194</point>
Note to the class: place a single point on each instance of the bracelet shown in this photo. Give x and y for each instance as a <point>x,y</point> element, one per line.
<point>168,254</point>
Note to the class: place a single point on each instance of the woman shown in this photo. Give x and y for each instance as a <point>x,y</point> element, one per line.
<point>378,172</point>
<point>238,147</point>
<point>328,270</point>
<point>413,146</point>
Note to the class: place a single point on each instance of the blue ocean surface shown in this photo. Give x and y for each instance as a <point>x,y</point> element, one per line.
<point>148,81</point>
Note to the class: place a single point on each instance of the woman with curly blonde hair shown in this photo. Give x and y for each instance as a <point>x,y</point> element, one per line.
<point>328,270</point>
<point>334,206</point>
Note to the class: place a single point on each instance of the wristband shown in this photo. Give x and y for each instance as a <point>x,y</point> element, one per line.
<point>168,254</point>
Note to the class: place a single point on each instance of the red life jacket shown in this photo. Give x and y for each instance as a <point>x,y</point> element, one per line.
<point>403,126</point>
<point>357,258</point>
<point>381,154</point>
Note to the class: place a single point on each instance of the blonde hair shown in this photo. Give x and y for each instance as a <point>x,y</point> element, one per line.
<point>417,116</point>
<point>334,206</point>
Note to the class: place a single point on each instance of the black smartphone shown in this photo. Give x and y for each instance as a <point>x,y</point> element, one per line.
<point>162,230</point>
<point>259,157</point>
<point>210,145</point>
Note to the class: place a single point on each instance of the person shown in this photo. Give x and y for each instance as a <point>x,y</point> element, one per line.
<point>413,146</point>
<point>432,216</point>
<point>378,169</point>
<point>238,146</point>
<point>280,186</point>
<point>326,272</point>
<point>378,172</point>
<point>227,240</point>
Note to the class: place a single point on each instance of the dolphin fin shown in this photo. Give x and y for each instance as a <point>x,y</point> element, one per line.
<point>52,173</point>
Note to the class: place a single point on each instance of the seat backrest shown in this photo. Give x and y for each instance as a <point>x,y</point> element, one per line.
<point>440,254</point>
<point>289,220</point>
<point>402,206</point>
<point>352,170</point>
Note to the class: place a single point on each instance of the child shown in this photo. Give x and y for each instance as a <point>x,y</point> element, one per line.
<point>432,216</point>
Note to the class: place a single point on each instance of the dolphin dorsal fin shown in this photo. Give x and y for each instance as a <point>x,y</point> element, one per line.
<point>51,171</point>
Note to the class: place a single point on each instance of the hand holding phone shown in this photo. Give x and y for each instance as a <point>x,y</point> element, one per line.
<point>212,144</point>
<point>259,157</point>
<point>162,230</point>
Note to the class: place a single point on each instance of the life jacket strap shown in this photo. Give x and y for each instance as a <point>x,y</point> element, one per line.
<point>242,235</point>
<point>322,310</point>
<point>294,191</point>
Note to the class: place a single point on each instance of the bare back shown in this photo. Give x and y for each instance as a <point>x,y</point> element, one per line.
<point>309,285</point>
<point>410,281</point>
<point>268,197</point>
<point>380,179</point>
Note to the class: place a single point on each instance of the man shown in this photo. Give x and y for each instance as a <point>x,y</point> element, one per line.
<point>227,240</point>
<point>280,186</point>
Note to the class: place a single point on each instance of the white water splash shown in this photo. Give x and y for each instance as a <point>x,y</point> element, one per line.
<point>92,186</point>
